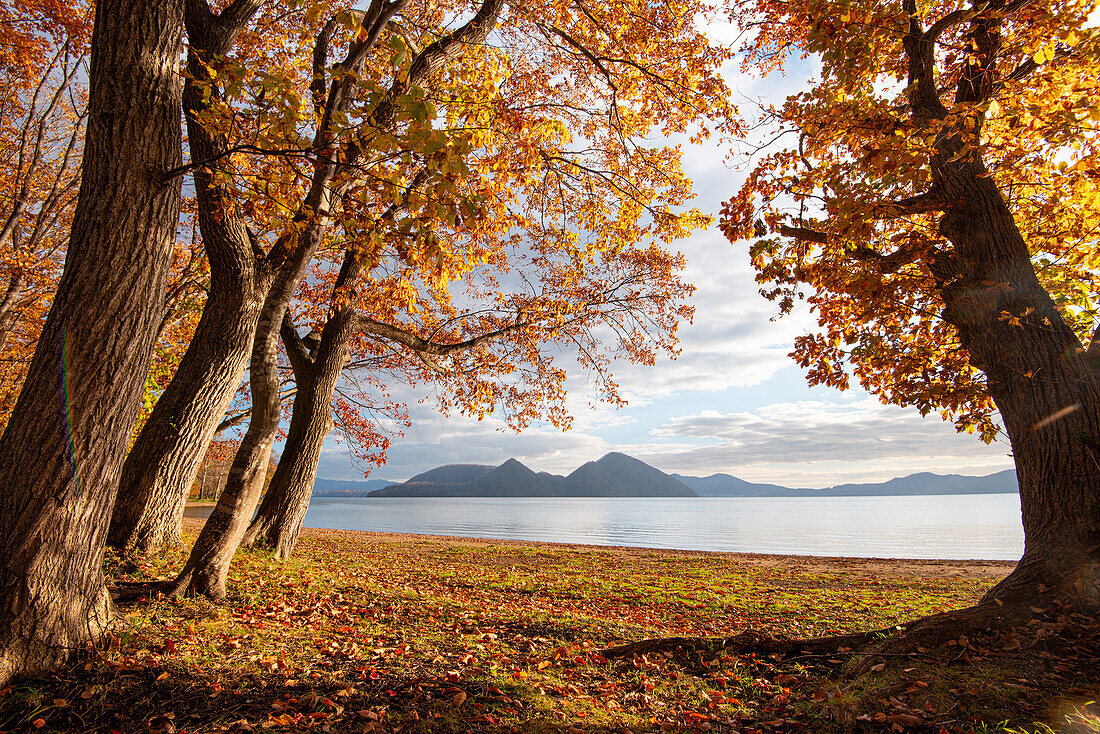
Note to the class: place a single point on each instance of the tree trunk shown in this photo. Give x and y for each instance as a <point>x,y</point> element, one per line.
<point>162,464</point>
<point>62,451</point>
<point>1037,370</point>
<point>1046,391</point>
<point>208,565</point>
<point>280,516</point>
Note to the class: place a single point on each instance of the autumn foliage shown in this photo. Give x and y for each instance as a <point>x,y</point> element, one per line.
<point>842,200</point>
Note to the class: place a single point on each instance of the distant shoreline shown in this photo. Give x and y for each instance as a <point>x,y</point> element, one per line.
<point>619,475</point>
<point>934,568</point>
<point>807,494</point>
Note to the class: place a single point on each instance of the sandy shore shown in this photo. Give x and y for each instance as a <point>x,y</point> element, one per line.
<point>894,567</point>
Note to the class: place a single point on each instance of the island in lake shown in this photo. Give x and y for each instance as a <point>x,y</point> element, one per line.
<point>619,475</point>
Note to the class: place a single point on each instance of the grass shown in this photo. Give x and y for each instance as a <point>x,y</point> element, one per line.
<point>363,633</point>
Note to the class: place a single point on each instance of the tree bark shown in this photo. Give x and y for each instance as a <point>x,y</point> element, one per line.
<point>1037,370</point>
<point>1043,386</point>
<point>63,448</point>
<point>7,306</point>
<point>208,565</point>
<point>166,455</point>
<point>280,516</point>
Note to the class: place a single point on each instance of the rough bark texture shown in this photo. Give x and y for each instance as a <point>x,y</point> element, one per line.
<point>280,516</point>
<point>1047,396</point>
<point>62,452</point>
<point>165,458</point>
<point>1038,375</point>
<point>208,565</point>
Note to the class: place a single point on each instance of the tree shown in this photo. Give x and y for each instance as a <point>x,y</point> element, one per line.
<point>365,150</point>
<point>166,454</point>
<point>206,569</point>
<point>939,214</point>
<point>63,447</point>
<point>41,133</point>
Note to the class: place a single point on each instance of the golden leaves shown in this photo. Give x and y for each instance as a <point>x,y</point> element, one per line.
<point>873,281</point>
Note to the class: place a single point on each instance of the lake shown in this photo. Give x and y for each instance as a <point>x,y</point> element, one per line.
<point>983,526</point>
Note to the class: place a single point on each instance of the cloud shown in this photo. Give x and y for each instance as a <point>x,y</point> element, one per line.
<point>435,440</point>
<point>818,443</point>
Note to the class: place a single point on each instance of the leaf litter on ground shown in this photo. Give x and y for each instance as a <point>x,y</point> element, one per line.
<point>369,633</point>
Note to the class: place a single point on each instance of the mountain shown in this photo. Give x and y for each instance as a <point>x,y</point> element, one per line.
<point>724,485</point>
<point>615,475</point>
<point>453,474</point>
<point>512,479</point>
<point>619,475</point>
<point>341,488</point>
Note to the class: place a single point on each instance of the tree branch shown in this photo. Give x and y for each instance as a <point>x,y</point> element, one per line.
<point>235,419</point>
<point>424,65</point>
<point>432,348</point>
<point>1092,354</point>
<point>924,100</point>
<point>217,33</point>
<point>953,18</point>
<point>907,207</point>
<point>804,234</point>
<point>296,351</point>
<point>1024,70</point>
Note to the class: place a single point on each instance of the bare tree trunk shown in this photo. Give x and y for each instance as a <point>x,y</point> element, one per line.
<point>62,451</point>
<point>280,516</point>
<point>165,457</point>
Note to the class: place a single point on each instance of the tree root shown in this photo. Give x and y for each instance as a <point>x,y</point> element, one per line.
<point>125,592</point>
<point>871,647</point>
<point>935,630</point>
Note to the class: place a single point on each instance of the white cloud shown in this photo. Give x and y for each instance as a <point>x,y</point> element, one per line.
<point>818,443</point>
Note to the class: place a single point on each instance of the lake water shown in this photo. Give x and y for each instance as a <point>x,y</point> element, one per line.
<point>954,527</point>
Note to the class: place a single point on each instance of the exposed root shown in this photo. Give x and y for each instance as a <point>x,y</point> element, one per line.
<point>126,592</point>
<point>871,647</point>
<point>937,629</point>
<point>1031,589</point>
<point>745,642</point>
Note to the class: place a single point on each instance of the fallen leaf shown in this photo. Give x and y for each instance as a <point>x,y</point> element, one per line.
<point>906,720</point>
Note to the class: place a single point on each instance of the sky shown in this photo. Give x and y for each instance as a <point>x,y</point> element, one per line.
<point>733,402</point>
